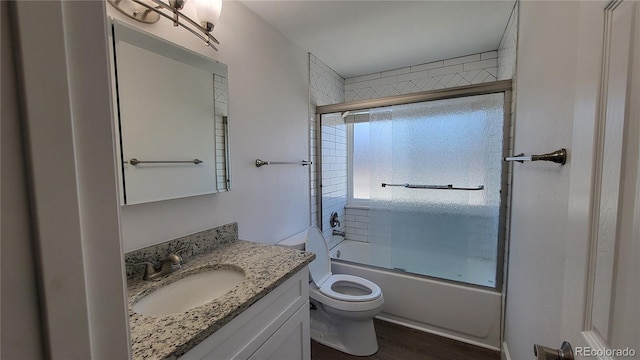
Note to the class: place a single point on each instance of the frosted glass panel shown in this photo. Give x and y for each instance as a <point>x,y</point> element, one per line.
<point>361,161</point>
<point>452,234</point>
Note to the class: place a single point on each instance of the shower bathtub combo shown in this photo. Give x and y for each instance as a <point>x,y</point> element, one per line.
<point>433,235</point>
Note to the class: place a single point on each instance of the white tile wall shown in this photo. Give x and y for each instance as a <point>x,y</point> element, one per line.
<point>507,48</point>
<point>465,70</point>
<point>221,107</point>
<point>357,224</point>
<point>334,174</point>
<point>327,87</point>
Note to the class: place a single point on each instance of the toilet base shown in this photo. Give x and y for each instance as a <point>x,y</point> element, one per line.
<point>351,336</point>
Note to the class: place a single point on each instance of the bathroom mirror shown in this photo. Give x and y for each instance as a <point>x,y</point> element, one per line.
<point>171,114</point>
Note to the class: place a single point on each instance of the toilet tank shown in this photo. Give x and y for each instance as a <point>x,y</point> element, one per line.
<point>297,241</point>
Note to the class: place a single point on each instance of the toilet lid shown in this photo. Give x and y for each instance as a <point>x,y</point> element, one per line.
<point>344,281</point>
<point>320,268</point>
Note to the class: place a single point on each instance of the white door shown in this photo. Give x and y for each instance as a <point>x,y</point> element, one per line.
<point>601,302</point>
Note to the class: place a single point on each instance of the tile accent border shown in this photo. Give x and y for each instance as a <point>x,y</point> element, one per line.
<point>191,245</point>
<point>465,70</point>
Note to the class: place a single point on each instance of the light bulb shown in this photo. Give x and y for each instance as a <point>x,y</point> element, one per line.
<point>208,11</point>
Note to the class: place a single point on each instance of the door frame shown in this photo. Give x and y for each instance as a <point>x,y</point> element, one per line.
<point>65,95</point>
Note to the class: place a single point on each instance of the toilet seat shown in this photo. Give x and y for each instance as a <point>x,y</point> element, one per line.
<point>352,281</point>
<point>320,270</point>
<point>352,306</point>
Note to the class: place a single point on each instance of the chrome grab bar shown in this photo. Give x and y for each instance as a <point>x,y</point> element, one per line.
<point>135,161</point>
<point>436,187</point>
<point>263,162</point>
<point>558,157</point>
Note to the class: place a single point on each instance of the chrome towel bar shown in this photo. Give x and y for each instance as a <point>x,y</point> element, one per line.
<point>436,187</point>
<point>135,161</point>
<point>558,157</point>
<point>263,162</point>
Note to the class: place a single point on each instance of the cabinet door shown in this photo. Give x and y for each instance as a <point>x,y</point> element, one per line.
<point>291,341</point>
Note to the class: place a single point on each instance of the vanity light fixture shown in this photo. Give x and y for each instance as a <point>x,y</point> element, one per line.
<point>150,11</point>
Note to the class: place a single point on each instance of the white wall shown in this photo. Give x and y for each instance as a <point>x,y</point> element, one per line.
<point>21,336</point>
<point>546,60</point>
<point>268,97</point>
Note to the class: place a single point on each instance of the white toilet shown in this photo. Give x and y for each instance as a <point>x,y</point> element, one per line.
<point>342,306</point>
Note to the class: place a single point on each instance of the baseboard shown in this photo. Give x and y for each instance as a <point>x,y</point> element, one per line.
<point>504,354</point>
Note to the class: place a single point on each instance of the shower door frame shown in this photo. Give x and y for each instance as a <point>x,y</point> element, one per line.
<point>501,86</point>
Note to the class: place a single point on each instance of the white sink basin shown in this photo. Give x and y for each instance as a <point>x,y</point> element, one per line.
<point>189,292</point>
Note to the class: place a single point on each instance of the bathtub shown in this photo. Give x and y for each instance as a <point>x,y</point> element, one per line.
<point>464,313</point>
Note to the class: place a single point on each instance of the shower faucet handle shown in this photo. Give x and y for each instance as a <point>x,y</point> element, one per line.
<point>333,220</point>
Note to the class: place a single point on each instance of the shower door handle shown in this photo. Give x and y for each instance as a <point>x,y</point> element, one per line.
<point>544,353</point>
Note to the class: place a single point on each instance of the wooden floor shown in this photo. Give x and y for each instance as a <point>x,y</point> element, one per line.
<point>397,342</point>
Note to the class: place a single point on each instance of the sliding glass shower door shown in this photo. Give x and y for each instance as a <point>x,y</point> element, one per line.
<point>426,188</point>
<point>435,186</point>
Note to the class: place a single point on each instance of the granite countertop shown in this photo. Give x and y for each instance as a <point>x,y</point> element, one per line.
<point>265,267</point>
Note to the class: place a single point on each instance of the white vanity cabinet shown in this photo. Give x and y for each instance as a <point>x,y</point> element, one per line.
<point>275,327</point>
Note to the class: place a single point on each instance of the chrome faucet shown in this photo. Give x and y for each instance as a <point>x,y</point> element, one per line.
<point>170,264</point>
<point>339,233</point>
